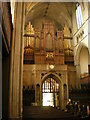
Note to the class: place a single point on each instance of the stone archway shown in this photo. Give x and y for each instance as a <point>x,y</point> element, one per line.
<point>81,61</point>
<point>53,75</point>
<point>59,94</point>
<point>77,55</point>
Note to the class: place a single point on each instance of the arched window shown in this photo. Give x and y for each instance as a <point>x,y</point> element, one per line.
<point>12,9</point>
<point>79,15</point>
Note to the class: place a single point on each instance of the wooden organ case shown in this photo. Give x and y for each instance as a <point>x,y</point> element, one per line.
<point>49,49</point>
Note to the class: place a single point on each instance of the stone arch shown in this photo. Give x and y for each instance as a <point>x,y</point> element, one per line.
<point>80,59</point>
<point>59,81</point>
<point>52,75</point>
<point>77,55</point>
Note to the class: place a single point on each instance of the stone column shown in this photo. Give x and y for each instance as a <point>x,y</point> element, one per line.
<point>16,69</point>
<point>21,61</point>
<point>78,75</point>
<point>62,96</point>
<point>40,94</point>
<point>0,63</point>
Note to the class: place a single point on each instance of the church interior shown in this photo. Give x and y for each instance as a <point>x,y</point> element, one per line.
<point>45,60</point>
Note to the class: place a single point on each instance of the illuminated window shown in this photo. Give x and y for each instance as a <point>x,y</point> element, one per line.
<point>79,15</point>
<point>50,85</point>
<point>12,9</point>
<point>50,90</point>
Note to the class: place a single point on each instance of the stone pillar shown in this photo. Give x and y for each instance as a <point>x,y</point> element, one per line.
<point>16,69</point>
<point>62,96</point>
<point>40,94</point>
<point>78,76</point>
<point>0,63</point>
<point>21,63</point>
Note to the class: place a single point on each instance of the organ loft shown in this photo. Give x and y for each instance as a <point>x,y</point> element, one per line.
<point>48,63</point>
<point>47,46</point>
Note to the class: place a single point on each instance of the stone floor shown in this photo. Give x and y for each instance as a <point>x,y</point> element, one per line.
<point>34,112</point>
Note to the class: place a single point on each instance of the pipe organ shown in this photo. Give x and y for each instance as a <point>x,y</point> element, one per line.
<point>43,46</point>
<point>48,50</point>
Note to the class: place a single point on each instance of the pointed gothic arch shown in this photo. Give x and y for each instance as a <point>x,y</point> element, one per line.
<point>58,81</point>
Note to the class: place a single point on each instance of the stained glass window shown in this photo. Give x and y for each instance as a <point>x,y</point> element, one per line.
<point>50,85</point>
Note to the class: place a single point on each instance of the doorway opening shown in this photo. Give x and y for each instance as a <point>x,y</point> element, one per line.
<point>50,93</point>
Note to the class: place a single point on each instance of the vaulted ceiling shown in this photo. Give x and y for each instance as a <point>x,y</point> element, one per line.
<point>60,13</point>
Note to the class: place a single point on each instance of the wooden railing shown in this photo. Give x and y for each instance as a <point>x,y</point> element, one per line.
<point>83,94</point>
<point>85,80</point>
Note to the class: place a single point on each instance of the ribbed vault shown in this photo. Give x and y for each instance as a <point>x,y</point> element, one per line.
<point>59,13</point>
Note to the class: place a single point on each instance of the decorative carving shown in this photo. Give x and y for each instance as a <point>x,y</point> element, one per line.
<point>49,55</point>
<point>49,42</point>
<point>37,43</point>
<point>44,46</point>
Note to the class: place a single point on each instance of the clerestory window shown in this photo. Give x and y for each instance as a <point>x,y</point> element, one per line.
<point>79,15</point>
<point>12,9</point>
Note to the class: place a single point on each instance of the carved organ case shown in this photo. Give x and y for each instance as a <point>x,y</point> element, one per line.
<point>29,44</point>
<point>48,47</point>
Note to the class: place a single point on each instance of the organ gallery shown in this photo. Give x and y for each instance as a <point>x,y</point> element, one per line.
<point>51,53</point>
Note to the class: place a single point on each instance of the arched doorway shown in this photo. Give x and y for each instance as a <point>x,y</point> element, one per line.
<point>51,91</point>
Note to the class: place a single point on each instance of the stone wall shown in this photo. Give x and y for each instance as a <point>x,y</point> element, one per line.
<point>32,73</point>
<point>35,74</point>
<point>80,40</point>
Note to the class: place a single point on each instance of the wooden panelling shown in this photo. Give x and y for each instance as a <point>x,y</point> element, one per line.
<point>69,58</point>
<point>37,58</point>
<point>43,58</point>
<point>53,48</point>
<point>85,80</point>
